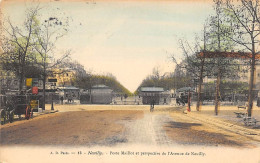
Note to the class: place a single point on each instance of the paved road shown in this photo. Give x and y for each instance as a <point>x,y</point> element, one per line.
<point>119,125</point>
<point>84,128</point>
<point>89,128</point>
<point>149,130</point>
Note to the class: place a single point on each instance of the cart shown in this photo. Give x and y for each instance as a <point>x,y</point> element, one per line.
<point>18,105</point>
<point>26,104</point>
<point>7,109</point>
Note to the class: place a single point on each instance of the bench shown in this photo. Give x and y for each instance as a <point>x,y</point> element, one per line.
<point>249,121</point>
<point>240,114</point>
<point>241,107</point>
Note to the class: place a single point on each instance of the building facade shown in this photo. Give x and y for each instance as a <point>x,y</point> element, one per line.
<point>155,95</point>
<point>99,94</point>
<point>8,81</point>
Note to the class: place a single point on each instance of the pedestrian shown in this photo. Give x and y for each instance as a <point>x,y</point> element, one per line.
<point>189,102</point>
<point>61,100</point>
<point>258,101</point>
<point>69,99</point>
<point>152,105</point>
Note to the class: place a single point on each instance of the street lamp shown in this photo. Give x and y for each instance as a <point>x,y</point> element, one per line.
<point>52,107</point>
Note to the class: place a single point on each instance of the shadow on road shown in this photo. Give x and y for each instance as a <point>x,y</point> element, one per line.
<point>191,134</point>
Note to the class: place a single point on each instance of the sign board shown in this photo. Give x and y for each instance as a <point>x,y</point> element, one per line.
<point>35,82</point>
<point>52,80</point>
<point>34,104</point>
<point>28,82</point>
<point>34,90</point>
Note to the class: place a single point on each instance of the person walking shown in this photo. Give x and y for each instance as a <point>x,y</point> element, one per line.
<point>61,100</point>
<point>152,105</point>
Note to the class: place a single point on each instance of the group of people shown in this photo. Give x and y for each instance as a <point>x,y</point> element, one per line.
<point>70,100</point>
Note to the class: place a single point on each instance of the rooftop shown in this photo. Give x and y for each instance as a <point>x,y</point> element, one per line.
<point>100,86</point>
<point>68,88</point>
<point>151,89</point>
<point>183,89</point>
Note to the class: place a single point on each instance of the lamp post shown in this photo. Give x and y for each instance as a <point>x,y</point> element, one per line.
<point>52,107</point>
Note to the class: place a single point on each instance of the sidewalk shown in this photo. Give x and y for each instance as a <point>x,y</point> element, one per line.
<point>44,112</point>
<point>227,113</point>
<point>227,119</point>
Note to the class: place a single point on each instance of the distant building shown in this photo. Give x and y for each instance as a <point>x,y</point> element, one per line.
<point>156,94</point>
<point>67,72</point>
<point>69,92</point>
<point>99,94</point>
<point>8,81</point>
<point>243,76</point>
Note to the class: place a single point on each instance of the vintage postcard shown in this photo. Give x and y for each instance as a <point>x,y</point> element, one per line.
<point>130,81</point>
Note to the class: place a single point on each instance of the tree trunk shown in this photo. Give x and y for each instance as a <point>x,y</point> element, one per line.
<point>189,101</point>
<point>251,86</point>
<point>43,91</point>
<point>217,96</point>
<point>90,96</point>
<point>21,83</point>
<point>200,83</point>
<point>21,72</point>
<point>44,84</point>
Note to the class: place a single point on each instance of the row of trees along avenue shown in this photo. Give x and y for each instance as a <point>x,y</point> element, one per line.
<point>168,81</point>
<point>88,80</point>
<point>235,26</point>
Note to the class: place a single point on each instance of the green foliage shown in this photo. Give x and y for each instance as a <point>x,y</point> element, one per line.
<point>86,82</point>
<point>227,87</point>
<point>237,86</point>
<point>112,83</point>
<point>167,82</point>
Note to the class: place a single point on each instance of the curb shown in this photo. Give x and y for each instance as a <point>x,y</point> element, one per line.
<point>47,112</point>
<point>229,126</point>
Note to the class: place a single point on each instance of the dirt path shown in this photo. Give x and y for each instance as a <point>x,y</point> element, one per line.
<point>148,130</point>
<point>79,128</point>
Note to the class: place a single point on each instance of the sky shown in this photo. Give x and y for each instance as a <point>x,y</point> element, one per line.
<point>125,38</point>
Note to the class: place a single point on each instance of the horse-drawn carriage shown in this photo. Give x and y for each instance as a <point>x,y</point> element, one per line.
<point>182,99</point>
<point>12,105</point>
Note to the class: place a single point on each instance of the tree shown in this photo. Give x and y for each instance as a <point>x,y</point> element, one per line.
<point>17,45</point>
<point>244,29</point>
<point>219,43</point>
<point>201,71</point>
<point>47,35</point>
<point>167,81</point>
<point>31,47</point>
<point>197,67</point>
